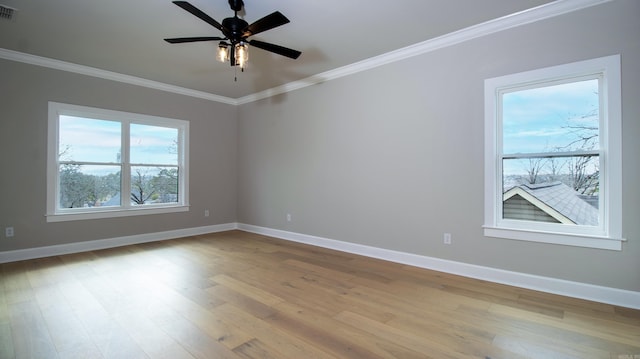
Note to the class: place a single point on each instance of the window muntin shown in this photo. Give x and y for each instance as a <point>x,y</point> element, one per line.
<point>91,173</point>
<point>582,141</point>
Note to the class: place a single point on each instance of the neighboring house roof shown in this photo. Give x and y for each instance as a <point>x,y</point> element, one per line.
<point>113,201</point>
<point>558,201</point>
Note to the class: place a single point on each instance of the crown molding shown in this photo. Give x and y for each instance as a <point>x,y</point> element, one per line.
<point>542,12</point>
<point>109,75</point>
<point>532,15</point>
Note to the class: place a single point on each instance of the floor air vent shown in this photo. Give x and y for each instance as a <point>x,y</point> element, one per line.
<point>6,13</point>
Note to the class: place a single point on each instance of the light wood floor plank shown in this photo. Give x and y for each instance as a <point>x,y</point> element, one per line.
<point>6,341</point>
<point>255,349</point>
<point>289,345</point>
<point>414,341</point>
<point>258,294</point>
<point>16,283</point>
<point>304,324</point>
<point>31,337</point>
<point>340,339</point>
<point>67,332</point>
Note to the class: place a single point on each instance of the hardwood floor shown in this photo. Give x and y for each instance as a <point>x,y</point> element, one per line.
<point>241,295</point>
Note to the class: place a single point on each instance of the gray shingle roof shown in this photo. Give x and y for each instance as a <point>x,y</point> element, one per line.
<point>565,200</point>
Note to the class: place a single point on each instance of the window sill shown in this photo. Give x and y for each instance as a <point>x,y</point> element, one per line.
<point>76,216</point>
<point>614,244</point>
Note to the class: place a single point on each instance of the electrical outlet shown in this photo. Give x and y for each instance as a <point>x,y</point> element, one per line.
<point>288,217</point>
<point>446,238</point>
<point>8,232</point>
<point>206,213</point>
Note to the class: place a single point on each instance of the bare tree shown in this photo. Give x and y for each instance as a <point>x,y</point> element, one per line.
<point>534,168</point>
<point>584,173</point>
<point>66,152</point>
<point>141,191</point>
<point>583,180</point>
<point>554,169</point>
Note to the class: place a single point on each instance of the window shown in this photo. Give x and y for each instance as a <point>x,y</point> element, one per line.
<point>104,163</point>
<point>553,155</point>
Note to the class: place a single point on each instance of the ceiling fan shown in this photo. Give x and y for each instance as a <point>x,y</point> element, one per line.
<point>237,31</point>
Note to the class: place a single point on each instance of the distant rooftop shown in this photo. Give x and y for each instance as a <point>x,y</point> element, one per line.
<point>558,200</point>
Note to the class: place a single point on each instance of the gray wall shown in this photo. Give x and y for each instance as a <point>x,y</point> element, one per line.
<point>393,157</point>
<point>24,94</point>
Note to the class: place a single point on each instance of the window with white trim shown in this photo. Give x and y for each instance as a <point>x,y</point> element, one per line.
<point>103,163</point>
<point>553,155</point>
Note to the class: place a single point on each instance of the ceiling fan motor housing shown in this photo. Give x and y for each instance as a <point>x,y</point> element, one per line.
<point>236,5</point>
<point>235,27</point>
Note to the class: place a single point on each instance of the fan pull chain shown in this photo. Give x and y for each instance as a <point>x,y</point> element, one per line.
<point>235,76</point>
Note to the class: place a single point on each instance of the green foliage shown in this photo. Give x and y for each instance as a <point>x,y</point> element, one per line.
<point>152,185</point>
<point>161,188</point>
<point>78,189</point>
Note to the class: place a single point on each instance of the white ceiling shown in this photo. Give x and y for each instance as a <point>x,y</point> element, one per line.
<point>126,36</point>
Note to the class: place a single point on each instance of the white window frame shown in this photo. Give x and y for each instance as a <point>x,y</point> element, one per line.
<point>55,214</point>
<point>608,235</point>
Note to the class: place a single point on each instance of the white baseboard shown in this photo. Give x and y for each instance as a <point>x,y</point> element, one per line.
<point>60,249</point>
<point>614,296</point>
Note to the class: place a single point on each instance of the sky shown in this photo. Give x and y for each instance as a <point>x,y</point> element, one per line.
<point>92,140</point>
<point>536,120</point>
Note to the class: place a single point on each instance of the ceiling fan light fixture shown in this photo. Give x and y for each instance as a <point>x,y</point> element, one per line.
<point>223,52</point>
<point>242,54</point>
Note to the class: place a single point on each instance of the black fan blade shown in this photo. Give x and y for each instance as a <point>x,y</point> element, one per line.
<point>179,40</point>
<point>266,23</point>
<point>197,12</point>
<point>280,50</point>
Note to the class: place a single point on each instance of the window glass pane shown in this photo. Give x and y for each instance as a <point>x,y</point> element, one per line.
<point>557,189</point>
<point>154,185</point>
<point>562,117</point>
<point>83,186</point>
<point>153,144</point>
<point>89,140</point>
